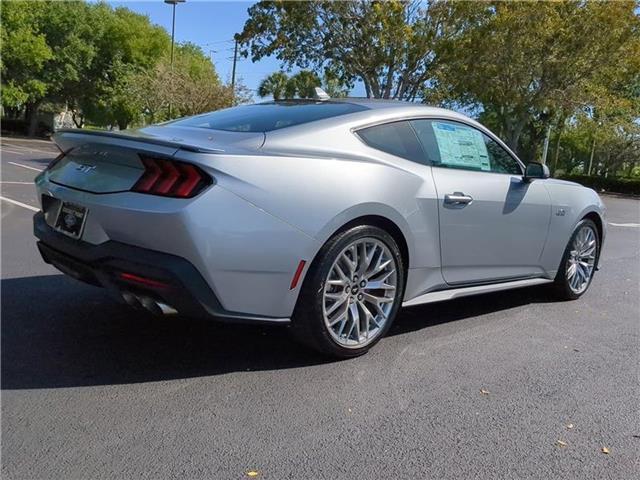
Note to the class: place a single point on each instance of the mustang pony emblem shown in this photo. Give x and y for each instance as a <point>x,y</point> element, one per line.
<point>70,220</point>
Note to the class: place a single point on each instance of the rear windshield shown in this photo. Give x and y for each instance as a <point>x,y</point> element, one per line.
<point>264,117</point>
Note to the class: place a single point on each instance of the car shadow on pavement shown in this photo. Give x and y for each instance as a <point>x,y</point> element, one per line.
<point>57,332</point>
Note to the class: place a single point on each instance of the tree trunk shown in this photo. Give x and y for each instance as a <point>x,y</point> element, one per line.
<point>513,133</point>
<point>556,154</point>
<point>32,118</point>
<point>78,123</point>
<point>367,87</point>
<point>374,83</point>
<point>545,147</point>
<point>122,124</point>
<point>12,112</point>
<point>593,149</point>
<point>388,81</point>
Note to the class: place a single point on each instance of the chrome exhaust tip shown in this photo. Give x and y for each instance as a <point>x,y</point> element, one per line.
<point>148,304</point>
<point>157,308</point>
<point>131,300</point>
<point>166,309</point>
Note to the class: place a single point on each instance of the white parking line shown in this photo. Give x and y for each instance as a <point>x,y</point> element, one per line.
<point>632,225</point>
<point>5,149</point>
<point>25,166</point>
<point>20,204</point>
<point>17,183</point>
<point>26,149</point>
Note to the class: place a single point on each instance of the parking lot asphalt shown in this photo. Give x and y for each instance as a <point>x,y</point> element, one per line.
<point>507,385</point>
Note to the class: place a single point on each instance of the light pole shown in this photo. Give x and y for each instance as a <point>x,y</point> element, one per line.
<point>173,32</point>
<point>233,75</point>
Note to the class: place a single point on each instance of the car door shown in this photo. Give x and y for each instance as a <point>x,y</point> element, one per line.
<point>493,224</point>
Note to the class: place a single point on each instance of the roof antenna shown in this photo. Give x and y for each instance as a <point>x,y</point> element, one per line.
<point>320,94</point>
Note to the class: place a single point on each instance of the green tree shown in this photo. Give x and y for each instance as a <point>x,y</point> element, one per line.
<point>303,84</point>
<point>527,65</point>
<point>75,54</point>
<point>24,51</point>
<point>59,49</point>
<point>127,43</point>
<point>389,46</point>
<point>196,87</point>
<point>114,102</point>
<point>333,87</point>
<point>274,85</point>
<point>192,86</point>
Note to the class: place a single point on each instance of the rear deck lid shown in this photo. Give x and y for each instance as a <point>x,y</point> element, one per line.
<point>110,162</point>
<point>98,168</point>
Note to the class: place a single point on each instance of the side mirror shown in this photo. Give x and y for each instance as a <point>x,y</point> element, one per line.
<point>536,170</point>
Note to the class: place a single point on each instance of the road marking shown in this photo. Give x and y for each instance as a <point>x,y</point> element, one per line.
<point>27,149</point>
<point>5,149</point>
<point>632,225</point>
<point>18,183</point>
<point>25,166</point>
<point>20,204</point>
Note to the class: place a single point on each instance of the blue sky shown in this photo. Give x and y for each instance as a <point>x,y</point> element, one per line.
<point>211,25</point>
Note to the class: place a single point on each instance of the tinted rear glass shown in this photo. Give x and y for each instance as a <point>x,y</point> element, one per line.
<point>264,117</point>
<point>397,138</point>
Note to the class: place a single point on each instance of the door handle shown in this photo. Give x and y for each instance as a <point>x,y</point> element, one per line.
<point>457,198</point>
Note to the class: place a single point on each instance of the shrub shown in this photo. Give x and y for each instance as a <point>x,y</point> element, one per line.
<point>607,184</point>
<point>13,126</point>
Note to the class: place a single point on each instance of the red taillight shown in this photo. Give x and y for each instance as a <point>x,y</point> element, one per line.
<point>152,173</point>
<point>147,282</point>
<point>190,180</point>
<point>171,179</point>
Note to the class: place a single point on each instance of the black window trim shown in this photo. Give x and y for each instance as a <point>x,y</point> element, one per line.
<point>428,161</point>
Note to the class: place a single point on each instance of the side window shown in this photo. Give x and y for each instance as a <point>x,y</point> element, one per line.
<point>455,145</point>
<point>500,159</point>
<point>397,138</point>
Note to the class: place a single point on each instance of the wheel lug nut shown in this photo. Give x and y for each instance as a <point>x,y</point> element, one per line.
<point>363,284</point>
<point>360,297</point>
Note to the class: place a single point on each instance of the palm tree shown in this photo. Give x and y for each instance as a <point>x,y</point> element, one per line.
<point>333,86</point>
<point>304,83</point>
<point>274,85</point>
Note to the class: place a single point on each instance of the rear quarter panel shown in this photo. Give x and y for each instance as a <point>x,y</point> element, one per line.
<point>325,185</point>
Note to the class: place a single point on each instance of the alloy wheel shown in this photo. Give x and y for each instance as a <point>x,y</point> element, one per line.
<point>360,292</point>
<point>582,259</point>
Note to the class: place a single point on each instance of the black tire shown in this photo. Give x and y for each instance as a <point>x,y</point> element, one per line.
<point>308,325</point>
<point>561,285</point>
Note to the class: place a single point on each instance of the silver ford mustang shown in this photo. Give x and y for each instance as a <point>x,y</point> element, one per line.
<point>325,215</point>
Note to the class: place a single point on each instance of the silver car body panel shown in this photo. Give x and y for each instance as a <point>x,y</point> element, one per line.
<point>278,197</point>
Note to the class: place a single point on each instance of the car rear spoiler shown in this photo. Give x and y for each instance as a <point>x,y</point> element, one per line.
<point>67,138</point>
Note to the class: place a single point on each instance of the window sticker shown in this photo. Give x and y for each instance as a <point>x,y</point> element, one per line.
<point>461,146</point>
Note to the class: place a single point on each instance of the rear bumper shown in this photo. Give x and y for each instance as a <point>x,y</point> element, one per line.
<point>173,280</point>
